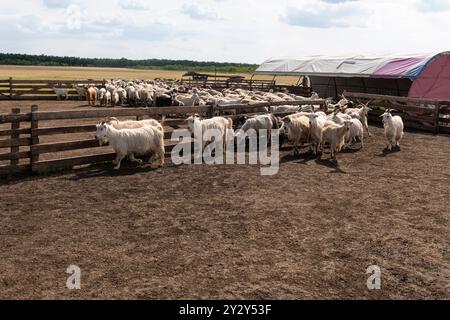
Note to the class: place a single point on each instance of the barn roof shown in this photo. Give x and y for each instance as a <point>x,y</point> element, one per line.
<point>394,66</point>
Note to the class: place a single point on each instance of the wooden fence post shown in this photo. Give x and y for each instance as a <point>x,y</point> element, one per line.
<point>34,137</point>
<point>10,88</point>
<point>15,125</point>
<point>437,110</point>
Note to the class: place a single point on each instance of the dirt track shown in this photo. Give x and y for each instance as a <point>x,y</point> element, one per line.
<point>226,232</point>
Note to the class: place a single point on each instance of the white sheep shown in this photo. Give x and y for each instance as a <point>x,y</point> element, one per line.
<point>393,129</point>
<point>131,142</point>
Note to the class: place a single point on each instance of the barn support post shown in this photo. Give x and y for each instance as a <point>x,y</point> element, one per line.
<point>34,138</point>
<point>15,125</point>
<point>10,88</point>
<point>335,89</point>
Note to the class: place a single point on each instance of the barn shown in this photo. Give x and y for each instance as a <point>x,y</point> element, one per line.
<point>414,76</point>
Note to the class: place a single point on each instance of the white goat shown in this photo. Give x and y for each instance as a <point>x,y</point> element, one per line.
<point>297,128</point>
<point>107,98</point>
<point>393,129</point>
<point>266,122</point>
<point>219,123</point>
<point>356,132</point>
<point>362,114</point>
<point>334,134</point>
<point>61,92</point>
<point>131,124</point>
<point>81,91</point>
<point>317,123</point>
<point>131,142</point>
<point>338,117</point>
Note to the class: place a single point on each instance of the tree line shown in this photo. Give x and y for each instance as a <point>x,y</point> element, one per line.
<point>163,64</point>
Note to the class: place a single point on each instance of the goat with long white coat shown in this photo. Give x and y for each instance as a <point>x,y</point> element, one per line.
<point>355,133</point>
<point>218,123</point>
<point>132,124</point>
<point>298,130</point>
<point>265,122</point>
<point>362,114</point>
<point>131,142</point>
<point>334,134</point>
<point>393,129</point>
<point>317,122</point>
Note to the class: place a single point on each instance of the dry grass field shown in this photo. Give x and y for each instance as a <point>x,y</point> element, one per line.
<point>81,73</point>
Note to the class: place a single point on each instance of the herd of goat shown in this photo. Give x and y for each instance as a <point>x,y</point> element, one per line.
<point>336,126</point>
<point>162,93</point>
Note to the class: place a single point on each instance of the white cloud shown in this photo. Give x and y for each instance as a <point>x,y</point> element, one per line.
<point>223,30</point>
<point>197,12</point>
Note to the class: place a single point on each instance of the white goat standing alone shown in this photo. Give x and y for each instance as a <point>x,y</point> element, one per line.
<point>393,129</point>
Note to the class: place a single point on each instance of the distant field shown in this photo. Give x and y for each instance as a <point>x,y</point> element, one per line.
<point>75,73</point>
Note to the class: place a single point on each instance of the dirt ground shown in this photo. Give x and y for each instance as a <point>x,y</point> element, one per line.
<point>210,232</point>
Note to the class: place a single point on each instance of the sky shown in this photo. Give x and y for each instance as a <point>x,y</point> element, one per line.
<point>248,31</point>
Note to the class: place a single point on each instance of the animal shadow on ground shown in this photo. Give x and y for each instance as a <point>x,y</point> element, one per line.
<point>350,150</point>
<point>330,163</point>
<point>106,170</point>
<point>305,158</point>
<point>386,152</point>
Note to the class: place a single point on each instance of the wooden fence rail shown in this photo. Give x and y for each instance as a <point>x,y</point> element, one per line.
<point>25,144</point>
<point>16,89</point>
<point>431,115</point>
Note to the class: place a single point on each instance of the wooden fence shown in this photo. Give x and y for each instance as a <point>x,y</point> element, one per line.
<point>423,114</point>
<point>12,89</point>
<point>24,136</point>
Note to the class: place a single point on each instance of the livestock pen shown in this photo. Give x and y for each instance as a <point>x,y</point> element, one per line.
<point>26,133</point>
<point>186,231</point>
<point>31,150</point>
